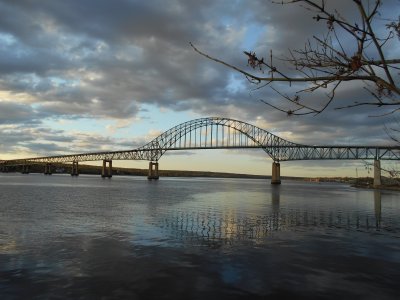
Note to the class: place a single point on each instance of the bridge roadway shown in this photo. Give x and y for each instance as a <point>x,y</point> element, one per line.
<point>218,133</point>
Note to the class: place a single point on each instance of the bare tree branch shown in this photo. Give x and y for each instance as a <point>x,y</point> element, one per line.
<point>326,62</point>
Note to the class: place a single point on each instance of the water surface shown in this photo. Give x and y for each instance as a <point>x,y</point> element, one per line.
<point>64,237</point>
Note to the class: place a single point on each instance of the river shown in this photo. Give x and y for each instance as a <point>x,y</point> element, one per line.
<point>64,237</point>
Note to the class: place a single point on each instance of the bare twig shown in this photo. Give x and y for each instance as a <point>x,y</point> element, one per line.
<point>326,62</point>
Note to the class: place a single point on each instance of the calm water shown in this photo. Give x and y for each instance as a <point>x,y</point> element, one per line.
<point>90,238</point>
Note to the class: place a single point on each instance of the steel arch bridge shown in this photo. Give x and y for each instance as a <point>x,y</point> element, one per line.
<point>225,133</point>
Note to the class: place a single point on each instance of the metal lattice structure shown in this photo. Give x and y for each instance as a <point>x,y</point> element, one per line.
<point>224,133</point>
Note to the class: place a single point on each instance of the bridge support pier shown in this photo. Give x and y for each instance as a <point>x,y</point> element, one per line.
<point>377,173</point>
<point>25,169</point>
<point>106,171</point>
<point>74,169</point>
<point>276,173</point>
<point>47,169</point>
<point>153,170</point>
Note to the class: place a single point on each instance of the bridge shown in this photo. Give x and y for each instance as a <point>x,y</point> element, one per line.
<point>217,133</point>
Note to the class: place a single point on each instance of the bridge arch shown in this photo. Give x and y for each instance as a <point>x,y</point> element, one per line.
<point>217,133</point>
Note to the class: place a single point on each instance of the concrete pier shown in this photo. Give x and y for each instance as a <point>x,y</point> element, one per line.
<point>74,169</point>
<point>377,173</point>
<point>153,170</point>
<point>106,171</point>
<point>47,169</point>
<point>276,173</point>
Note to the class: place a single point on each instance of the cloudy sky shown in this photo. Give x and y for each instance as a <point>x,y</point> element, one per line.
<point>95,75</point>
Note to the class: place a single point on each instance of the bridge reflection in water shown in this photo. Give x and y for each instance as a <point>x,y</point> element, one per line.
<point>229,227</point>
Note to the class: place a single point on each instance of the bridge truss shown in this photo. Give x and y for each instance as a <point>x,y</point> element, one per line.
<point>224,133</point>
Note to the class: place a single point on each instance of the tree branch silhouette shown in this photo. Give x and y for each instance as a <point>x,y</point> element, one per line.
<point>325,62</point>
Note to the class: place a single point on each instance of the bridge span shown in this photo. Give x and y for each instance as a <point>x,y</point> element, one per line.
<point>217,133</point>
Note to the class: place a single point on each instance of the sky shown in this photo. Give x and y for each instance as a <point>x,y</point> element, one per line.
<point>96,75</point>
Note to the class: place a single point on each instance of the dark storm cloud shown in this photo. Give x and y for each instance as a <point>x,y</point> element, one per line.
<point>105,59</point>
<point>120,55</point>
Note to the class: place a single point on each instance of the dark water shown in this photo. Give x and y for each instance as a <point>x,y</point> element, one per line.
<point>86,238</point>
